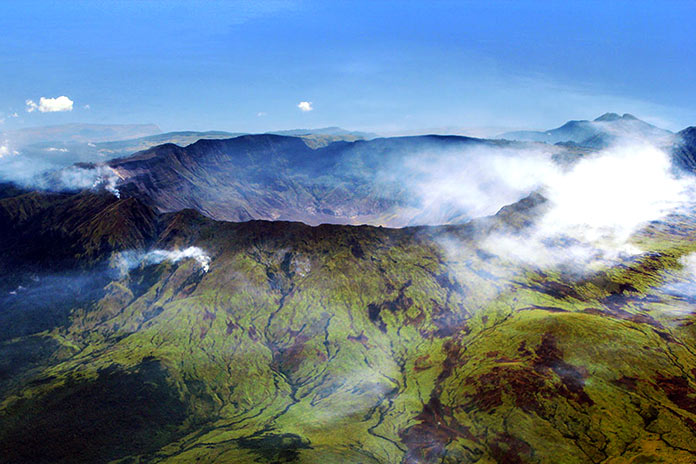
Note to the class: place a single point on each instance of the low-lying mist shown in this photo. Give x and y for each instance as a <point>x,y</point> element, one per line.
<point>58,158</point>
<point>596,205</point>
<point>53,168</point>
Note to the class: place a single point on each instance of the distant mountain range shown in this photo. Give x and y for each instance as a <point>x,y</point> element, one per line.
<point>52,147</point>
<point>276,177</point>
<point>599,133</point>
<point>335,176</point>
<point>315,137</point>
<point>79,133</point>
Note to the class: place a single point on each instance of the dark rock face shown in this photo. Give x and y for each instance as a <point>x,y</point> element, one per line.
<point>273,177</point>
<point>684,150</point>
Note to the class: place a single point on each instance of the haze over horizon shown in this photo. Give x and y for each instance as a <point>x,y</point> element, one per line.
<point>478,68</point>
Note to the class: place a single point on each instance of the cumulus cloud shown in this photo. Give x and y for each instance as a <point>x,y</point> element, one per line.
<point>128,260</point>
<point>305,106</point>
<point>50,105</point>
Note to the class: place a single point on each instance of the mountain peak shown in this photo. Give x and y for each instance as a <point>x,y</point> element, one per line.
<point>608,117</point>
<point>688,132</point>
<point>598,133</point>
<point>616,117</point>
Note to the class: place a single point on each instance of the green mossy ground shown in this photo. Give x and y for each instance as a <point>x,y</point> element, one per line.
<point>339,344</point>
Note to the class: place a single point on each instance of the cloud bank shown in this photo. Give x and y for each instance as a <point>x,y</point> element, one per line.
<point>594,207</point>
<point>460,185</point>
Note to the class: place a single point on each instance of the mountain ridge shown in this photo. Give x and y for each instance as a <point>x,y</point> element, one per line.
<point>283,178</point>
<point>599,133</point>
<point>80,132</point>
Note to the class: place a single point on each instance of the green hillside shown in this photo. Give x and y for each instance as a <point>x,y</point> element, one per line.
<point>336,344</point>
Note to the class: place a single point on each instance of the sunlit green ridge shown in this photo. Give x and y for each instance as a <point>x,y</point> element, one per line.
<point>348,344</point>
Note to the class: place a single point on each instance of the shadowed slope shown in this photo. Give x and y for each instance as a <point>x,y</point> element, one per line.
<point>281,178</point>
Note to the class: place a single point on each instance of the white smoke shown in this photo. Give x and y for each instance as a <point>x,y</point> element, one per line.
<point>127,260</point>
<point>688,263</point>
<point>45,173</point>
<point>613,193</point>
<point>681,283</point>
<point>78,178</point>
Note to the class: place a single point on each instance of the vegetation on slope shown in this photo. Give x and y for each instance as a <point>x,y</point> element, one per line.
<point>338,344</point>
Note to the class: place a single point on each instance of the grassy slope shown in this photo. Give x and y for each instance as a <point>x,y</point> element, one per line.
<point>360,344</point>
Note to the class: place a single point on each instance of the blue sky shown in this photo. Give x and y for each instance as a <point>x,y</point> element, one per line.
<point>388,67</point>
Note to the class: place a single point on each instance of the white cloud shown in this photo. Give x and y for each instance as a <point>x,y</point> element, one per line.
<point>50,105</point>
<point>14,115</point>
<point>477,182</point>
<point>87,107</point>
<point>261,114</point>
<point>596,206</point>
<point>617,190</point>
<point>305,106</point>
<point>5,150</point>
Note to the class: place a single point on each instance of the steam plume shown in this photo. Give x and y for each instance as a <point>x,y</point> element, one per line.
<point>127,260</point>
